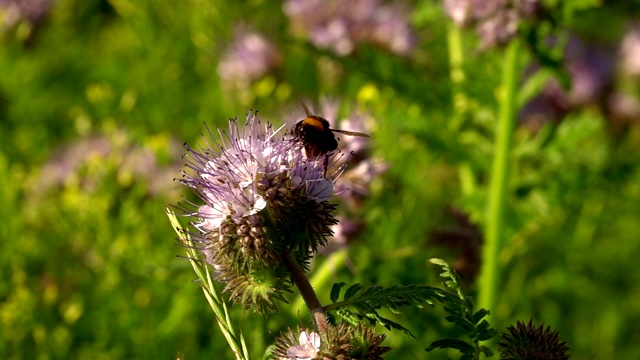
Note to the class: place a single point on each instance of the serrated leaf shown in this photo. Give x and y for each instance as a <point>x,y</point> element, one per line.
<point>335,291</point>
<point>459,345</point>
<point>352,291</point>
<point>391,297</point>
<point>460,321</point>
<point>486,351</point>
<point>365,302</point>
<point>393,325</point>
<point>479,315</point>
<point>460,311</point>
<point>486,335</point>
<point>454,318</point>
<point>483,326</point>
<point>439,262</point>
<point>483,336</point>
<point>349,316</point>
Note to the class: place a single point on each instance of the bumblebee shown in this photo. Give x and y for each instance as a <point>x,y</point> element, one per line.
<point>317,137</point>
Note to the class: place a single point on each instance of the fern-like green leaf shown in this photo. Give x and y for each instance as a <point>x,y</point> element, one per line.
<point>349,316</point>
<point>479,315</point>
<point>352,290</point>
<point>448,273</point>
<point>335,291</point>
<point>459,308</point>
<point>365,302</point>
<point>486,351</point>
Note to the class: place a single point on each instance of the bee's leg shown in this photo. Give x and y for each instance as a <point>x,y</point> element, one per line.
<point>326,164</point>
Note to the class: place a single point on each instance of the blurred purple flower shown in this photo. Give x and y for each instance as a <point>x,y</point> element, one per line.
<point>133,162</point>
<point>496,21</point>
<point>341,25</point>
<point>32,11</point>
<point>591,69</point>
<point>249,57</point>
<point>629,52</point>
<point>343,232</point>
<point>623,109</point>
<point>364,168</point>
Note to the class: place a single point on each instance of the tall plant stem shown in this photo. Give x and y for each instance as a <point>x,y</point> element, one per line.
<point>490,276</point>
<point>306,290</point>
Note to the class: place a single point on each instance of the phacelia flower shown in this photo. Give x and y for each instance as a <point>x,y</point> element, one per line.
<point>13,12</point>
<point>496,21</point>
<point>249,57</point>
<point>306,347</point>
<point>591,69</point>
<point>342,341</point>
<point>532,342</point>
<point>73,160</point>
<point>262,199</point>
<point>629,50</point>
<point>341,25</point>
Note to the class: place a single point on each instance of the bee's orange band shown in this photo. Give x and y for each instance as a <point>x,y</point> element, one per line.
<point>311,121</point>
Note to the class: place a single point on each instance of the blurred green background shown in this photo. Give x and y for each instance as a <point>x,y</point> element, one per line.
<point>96,98</point>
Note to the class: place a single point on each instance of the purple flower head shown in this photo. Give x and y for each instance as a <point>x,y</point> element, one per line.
<point>341,25</point>
<point>591,68</point>
<point>496,21</point>
<point>341,341</point>
<point>623,109</point>
<point>309,344</point>
<point>32,11</point>
<point>262,198</point>
<point>249,57</point>
<point>629,52</point>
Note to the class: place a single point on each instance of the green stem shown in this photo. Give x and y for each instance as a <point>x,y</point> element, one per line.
<point>322,275</point>
<point>490,276</point>
<point>306,290</point>
<point>216,302</point>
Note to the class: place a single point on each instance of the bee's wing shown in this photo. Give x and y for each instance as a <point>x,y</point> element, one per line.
<point>352,133</point>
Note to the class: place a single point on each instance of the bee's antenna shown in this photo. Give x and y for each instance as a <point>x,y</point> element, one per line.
<point>306,109</point>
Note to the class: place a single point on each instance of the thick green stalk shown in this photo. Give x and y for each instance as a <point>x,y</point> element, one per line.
<point>490,277</point>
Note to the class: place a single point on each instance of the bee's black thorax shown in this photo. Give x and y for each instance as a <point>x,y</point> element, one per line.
<point>315,134</point>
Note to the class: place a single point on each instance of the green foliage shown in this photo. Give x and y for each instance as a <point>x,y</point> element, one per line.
<point>460,311</point>
<point>363,303</point>
<point>206,282</point>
